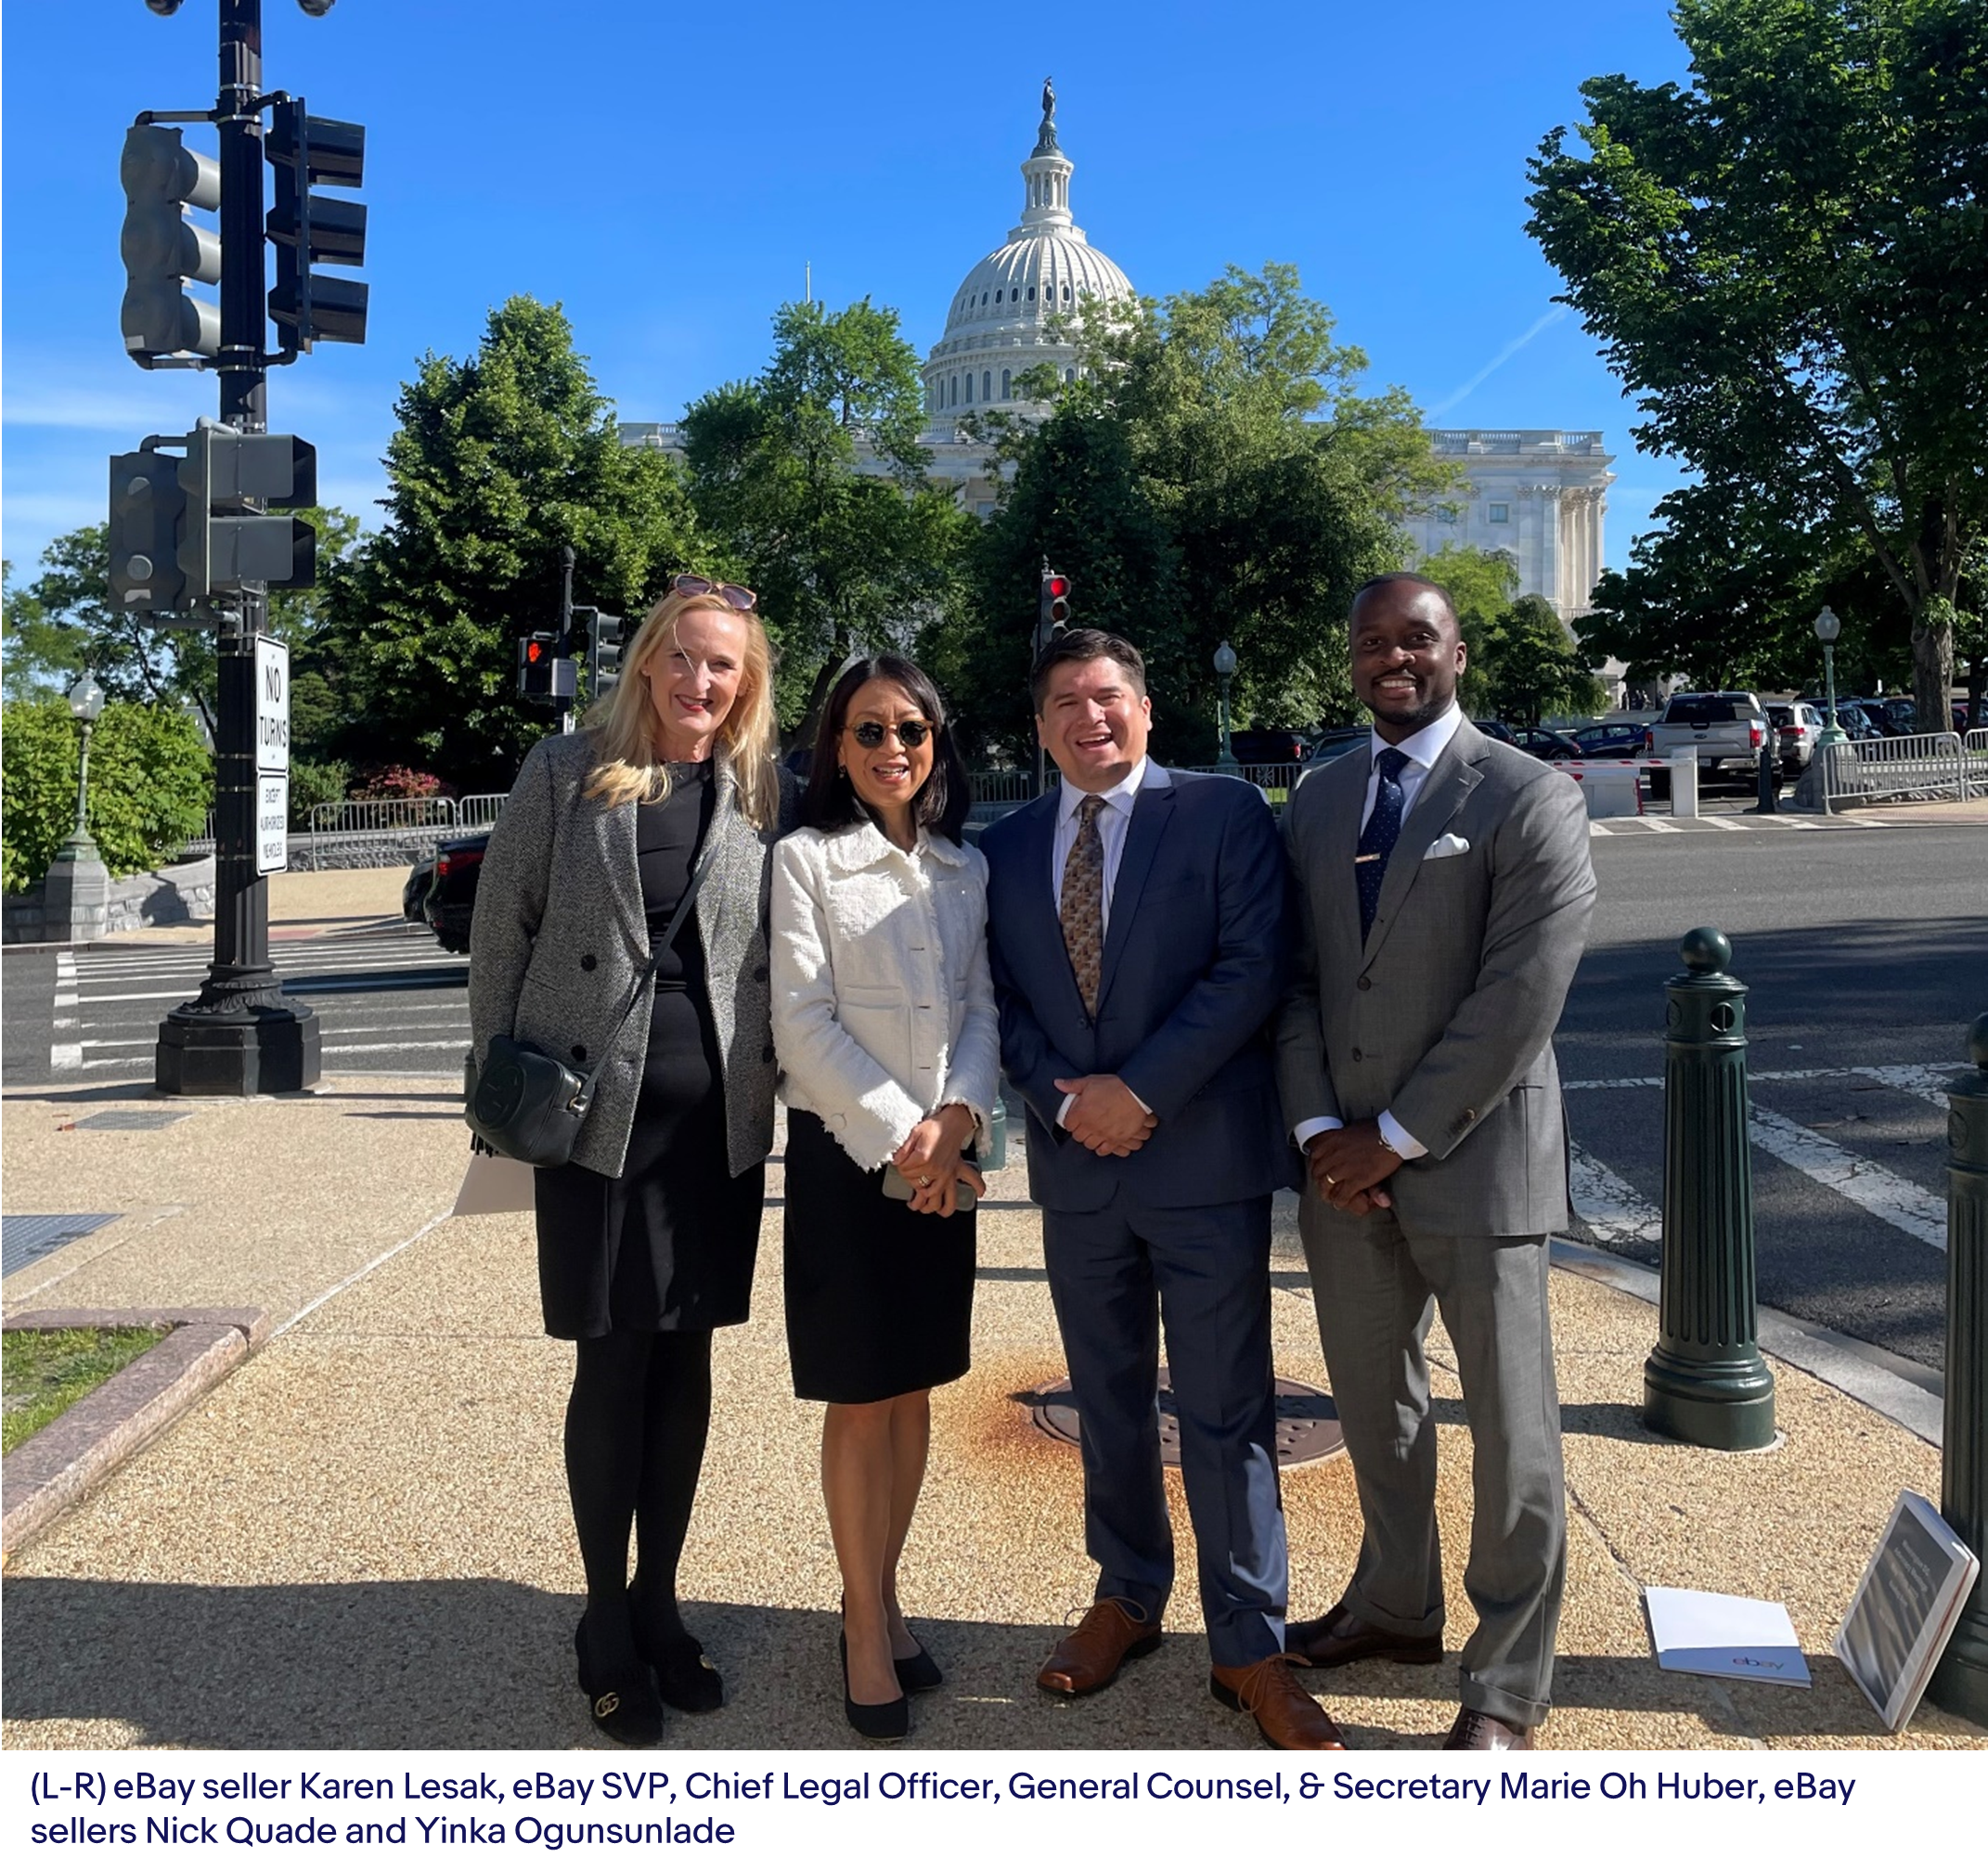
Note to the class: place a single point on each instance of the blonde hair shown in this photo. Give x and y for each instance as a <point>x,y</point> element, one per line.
<point>622,726</point>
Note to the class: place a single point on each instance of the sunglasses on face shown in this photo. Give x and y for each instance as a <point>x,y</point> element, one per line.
<point>910,734</point>
<point>734,597</point>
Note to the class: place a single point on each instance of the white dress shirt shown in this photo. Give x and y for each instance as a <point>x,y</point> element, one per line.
<point>1423,748</point>
<point>1114,821</point>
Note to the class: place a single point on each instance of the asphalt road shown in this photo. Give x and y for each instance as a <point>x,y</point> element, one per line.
<point>1865,950</point>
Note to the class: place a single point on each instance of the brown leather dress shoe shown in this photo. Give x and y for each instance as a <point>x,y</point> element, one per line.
<point>1478,1733</point>
<point>1270,1694</point>
<point>1339,1636</point>
<point>1112,1634</point>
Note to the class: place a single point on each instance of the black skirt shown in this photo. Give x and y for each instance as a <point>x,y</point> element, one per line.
<point>879,1300</point>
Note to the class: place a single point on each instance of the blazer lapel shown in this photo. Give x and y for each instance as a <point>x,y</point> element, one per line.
<point>614,829</point>
<point>713,897</point>
<point>1450,782</point>
<point>1346,785</point>
<point>1151,811</point>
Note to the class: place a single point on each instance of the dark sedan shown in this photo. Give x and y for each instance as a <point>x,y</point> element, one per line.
<point>1610,740</point>
<point>1548,743</point>
<point>451,900</point>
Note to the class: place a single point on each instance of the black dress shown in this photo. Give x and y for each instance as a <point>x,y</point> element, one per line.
<point>879,1300</point>
<point>669,1243</point>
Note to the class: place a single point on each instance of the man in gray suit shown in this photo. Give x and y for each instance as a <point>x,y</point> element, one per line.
<point>1446,891</point>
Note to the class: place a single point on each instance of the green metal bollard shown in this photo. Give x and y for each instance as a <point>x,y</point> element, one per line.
<point>1706,1381</point>
<point>1960,1684</point>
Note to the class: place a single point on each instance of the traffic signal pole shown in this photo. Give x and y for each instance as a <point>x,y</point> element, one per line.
<point>239,1038</point>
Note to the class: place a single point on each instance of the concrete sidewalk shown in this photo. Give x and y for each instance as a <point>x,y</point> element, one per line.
<point>360,1537</point>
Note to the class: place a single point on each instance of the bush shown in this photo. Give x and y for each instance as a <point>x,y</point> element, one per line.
<point>397,783</point>
<point>151,782</point>
<point>315,782</point>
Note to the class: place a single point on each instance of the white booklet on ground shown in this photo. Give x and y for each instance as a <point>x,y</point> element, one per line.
<point>1704,1633</point>
<point>1905,1607</point>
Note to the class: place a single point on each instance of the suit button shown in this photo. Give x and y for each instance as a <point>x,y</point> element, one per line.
<point>766,1054</point>
<point>1363,982</point>
<point>587,964</point>
<point>579,1052</point>
<point>759,974</point>
<point>1470,1116</point>
<point>1356,1054</point>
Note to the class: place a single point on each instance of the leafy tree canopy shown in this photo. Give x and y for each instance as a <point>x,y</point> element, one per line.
<point>1787,261</point>
<point>500,460</point>
<point>842,560</point>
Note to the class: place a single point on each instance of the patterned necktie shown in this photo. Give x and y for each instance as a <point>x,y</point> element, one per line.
<point>1377,836</point>
<point>1081,906</point>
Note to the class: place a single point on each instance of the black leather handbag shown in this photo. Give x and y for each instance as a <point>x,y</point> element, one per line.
<point>524,1103</point>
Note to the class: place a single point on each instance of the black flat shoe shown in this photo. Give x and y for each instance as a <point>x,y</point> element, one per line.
<point>873,1720</point>
<point>917,1674</point>
<point>687,1677</point>
<point>629,1712</point>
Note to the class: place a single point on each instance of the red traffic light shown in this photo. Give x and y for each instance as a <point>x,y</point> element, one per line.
<point>535,650</point>
<point>1057,586</point>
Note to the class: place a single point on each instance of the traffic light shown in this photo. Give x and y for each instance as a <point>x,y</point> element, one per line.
<point>224,542</point>
<point>312,230</point>
<point>163,249</point>
<point>543,674</point>
<point>605,635</point>
<point>147,505</point>
<point>1052,607</point>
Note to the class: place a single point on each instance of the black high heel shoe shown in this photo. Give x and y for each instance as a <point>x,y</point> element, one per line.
<point>627,1712</point>
<point>686,1676</point>
<point>873,1720</point>
<point>917,1674</point>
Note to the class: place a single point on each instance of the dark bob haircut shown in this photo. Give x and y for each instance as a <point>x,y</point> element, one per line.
<point>1086,646</point>
<point>940,805</point>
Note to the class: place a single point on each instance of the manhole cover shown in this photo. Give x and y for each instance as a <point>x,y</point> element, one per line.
<point>1308,1423</point>
<point>25,1238</point>
<point>132,1119</point>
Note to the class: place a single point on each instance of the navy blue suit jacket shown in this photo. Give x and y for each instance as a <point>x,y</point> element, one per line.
<point>1198,948</point>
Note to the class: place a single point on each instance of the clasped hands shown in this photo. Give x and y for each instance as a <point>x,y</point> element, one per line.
<point>1107,1118</point>
<point>1350,1165</point>
<point>930,1160</point>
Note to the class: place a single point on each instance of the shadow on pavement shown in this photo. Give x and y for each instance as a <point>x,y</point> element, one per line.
<point>485,1663</point>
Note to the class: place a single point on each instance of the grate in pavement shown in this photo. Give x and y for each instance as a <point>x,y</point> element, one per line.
<point>1308,1423</point>
<point>25,1238</point>
<point>132,1119</point>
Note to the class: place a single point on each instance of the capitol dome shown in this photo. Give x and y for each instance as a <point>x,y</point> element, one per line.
<point>995,327</point>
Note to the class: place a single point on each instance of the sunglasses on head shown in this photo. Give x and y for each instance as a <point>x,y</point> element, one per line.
<point>910,734</point>
<point>734,597</point>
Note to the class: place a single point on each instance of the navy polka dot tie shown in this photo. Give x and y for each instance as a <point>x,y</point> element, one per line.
<point>1377,836</point>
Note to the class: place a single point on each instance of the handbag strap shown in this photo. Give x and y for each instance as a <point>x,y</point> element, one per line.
<point>583,1099</point>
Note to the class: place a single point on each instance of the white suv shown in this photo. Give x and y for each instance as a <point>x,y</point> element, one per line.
<point>1797,728</point>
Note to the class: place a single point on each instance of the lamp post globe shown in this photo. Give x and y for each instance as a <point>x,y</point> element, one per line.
<point>1225,669</point>
<point>1827,625</point>
<point>85,703</point>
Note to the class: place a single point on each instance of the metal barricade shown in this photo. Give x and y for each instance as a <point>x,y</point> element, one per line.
<point>1002,786</point>
<point>382,815</point>
<point>1974,762</point>
<point>1905,767</point>
<point>479,809</point>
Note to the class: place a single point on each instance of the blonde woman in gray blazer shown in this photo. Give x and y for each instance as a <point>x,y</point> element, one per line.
<point>883,1017</point>
<point>647,1237</point>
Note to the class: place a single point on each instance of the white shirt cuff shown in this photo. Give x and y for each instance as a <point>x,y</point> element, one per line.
<point>1397,1139</point>
<point>1063,1110</point>
<point>1314,1125</point>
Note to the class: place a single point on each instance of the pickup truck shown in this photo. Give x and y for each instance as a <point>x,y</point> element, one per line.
<point>1725,732</point>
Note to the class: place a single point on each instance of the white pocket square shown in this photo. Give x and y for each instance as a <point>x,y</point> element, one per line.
<point>1448,845</point>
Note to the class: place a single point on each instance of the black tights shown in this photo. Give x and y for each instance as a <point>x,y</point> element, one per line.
<point>635,1441</point>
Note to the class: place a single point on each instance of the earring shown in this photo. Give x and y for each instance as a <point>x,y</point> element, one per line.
<point>841,772</point>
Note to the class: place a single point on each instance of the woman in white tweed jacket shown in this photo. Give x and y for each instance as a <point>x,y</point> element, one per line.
<point>884,1020</point>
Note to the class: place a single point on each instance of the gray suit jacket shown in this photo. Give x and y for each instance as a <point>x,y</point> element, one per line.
<point>1445,1014</point>
<point>559,938</point>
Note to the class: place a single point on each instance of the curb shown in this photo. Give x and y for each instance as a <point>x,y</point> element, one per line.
<point>51,1471</point>
<point>1908,1394</point>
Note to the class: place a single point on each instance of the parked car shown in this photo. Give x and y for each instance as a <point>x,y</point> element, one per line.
<point>452,901</point>
<point>1854,721</point>
<point>1724,731</point>
<point>414,892</point>
<point>1797,728</point>
<point>1334,742</point>
<point>1891,717</point>
<point>1270,747</point>
<point>1546,743</point>
<point>1497,731</point>
<point>1611,740</point>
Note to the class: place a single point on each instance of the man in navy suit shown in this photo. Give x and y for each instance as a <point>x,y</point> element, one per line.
<point>1140,928</point>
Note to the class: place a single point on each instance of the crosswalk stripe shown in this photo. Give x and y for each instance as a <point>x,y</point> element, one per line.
<point>1616,1213</point>
<point>1877,1191</point>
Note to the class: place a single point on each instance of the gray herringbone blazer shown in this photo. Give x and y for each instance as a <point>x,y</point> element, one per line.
<point>1444,1015</point>
<point>559,938</point>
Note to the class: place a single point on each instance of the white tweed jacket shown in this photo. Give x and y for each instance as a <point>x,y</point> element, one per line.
<point>883,1000</point>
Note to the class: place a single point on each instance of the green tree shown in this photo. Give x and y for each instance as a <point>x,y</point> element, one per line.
<point>1481,586</point>
<point>842,560</point>
<point>1533,666</point>
<point>500,461</point>
<point>64,623</point>
<point>1787,261</point>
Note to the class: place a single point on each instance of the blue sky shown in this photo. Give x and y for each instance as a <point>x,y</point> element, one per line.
<point>666,171</point>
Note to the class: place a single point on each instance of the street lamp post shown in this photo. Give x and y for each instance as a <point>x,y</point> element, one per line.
<point>86,703</point>
<point>1827,626</point>
<point>1225,668</point>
